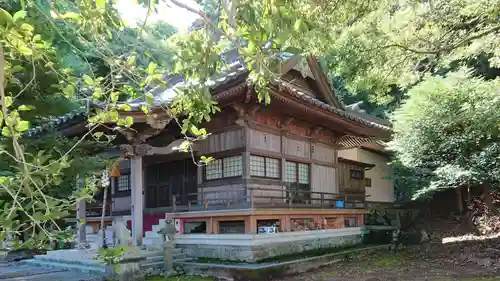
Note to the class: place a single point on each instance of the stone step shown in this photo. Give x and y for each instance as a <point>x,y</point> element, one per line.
<point>73,260</point>
<point>159,258</point>
<point>157,228</point>
<point>152,234</point>
<point>67,266</point>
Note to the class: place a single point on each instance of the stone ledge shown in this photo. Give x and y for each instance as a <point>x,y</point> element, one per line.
<point>264,271</point>
<point>263,239</point>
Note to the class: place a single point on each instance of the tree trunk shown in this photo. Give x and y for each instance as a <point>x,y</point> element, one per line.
<point>104,203</point>
<point>460,205</point>
<point>487,198</point>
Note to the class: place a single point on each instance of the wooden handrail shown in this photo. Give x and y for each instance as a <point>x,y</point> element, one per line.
<point>288,196</point>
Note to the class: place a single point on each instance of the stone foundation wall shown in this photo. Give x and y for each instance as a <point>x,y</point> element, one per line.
<point>253,247</point>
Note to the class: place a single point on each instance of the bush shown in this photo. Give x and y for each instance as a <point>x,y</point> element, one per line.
<point>378,237</point>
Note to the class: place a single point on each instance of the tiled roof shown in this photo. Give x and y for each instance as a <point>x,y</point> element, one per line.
<point>163,96</point>
<point>75,115</point>
<point>343,113</point>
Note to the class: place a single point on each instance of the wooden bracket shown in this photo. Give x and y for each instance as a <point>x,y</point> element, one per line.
<point>287,121</point>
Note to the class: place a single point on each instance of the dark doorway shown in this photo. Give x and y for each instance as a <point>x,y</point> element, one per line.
<point>168,180</point>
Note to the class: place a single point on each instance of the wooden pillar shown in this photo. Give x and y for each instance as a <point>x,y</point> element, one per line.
<point>360,221</point>
<point>246,177</point>
<point>210,225</point>
<point>253,225</point>
<point>137,199</point>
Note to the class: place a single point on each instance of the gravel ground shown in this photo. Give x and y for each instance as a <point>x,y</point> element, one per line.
<point>429,263</point>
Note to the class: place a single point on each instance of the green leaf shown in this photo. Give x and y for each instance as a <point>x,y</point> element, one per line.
<point>19,15</point>
<point>22,126</point>
<point>131,60</point>
<point>194,130</point>
<point>25,51</point>
<point>124,107</point>
<point>27,27</point>
<point>88,80</point>
<point>145,109</point>
<point>4,180</point>
<point>297,24</point>
<point>37,38</point>
<point>8,102</point>
<point>5,17</point>
<point>151,68</point>
<point>98,135</point>
<point>129,121</point>
<point>150,99</point>
<point>1,118</point>
<point>115,96</point>
<point>101,4</point>
<point>6,132</point>
<point>71,15</point>
<point>69,90</point>
<point>25,107</point>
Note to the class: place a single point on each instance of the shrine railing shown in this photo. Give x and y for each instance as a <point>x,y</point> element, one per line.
<point>268,198</point>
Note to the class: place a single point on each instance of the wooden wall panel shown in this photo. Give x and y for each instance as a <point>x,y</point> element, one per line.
<point>264,141</point>
<point>269,190</point>
<point>223,141</point>
<point>346,184</point>
<point>323,152</point>
<point>323,180</point>
<point>298,148</point>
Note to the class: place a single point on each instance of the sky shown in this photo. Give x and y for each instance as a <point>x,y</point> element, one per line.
<point>168,12</point>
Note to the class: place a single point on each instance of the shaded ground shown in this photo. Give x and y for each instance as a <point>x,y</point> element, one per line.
<point>433,262</point>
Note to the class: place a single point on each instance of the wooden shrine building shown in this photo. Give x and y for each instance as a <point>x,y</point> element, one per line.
<point>274,164</point>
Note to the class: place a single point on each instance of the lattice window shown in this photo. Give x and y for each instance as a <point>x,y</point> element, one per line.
<point>213,170</point>
<point>272,168</point>
<point>123,183</point>
<point>357,174</point>
<point>303,173</point>
<point>257,166</point>
<point>264,167</point>
<point>233,166</point>
<point>224,168</point>
<point>368,182</point>
<point>290,172</point>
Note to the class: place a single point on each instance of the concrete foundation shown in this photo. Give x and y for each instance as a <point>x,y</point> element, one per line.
<point>256,247</point>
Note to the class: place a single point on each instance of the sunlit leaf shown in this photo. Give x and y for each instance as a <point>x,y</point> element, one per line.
<point>88,80</point>
<point>19,15</point>
<point>5,17</point>
<point>6,132</point>
<point>22,126</point>
<point>25,51</point>
<point>69,90</point>
<point>25,107</point>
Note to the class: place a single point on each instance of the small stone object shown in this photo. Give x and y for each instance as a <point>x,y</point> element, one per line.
<point>396,241</point>
<point>169,230</point>
<point>423,236</point>
<point>122,233</point>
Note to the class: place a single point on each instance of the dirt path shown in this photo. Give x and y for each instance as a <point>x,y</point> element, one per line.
<point>409,265</point>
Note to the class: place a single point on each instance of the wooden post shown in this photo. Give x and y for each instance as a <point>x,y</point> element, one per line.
<point>81,210</point>
<point>137,199</point>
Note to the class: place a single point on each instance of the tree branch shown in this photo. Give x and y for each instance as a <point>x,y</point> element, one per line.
<point>208,20</point>
<point>447,48</point>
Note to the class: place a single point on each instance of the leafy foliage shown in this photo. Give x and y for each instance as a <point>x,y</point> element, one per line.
<point>449,127</point>
<point>397,43</point>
